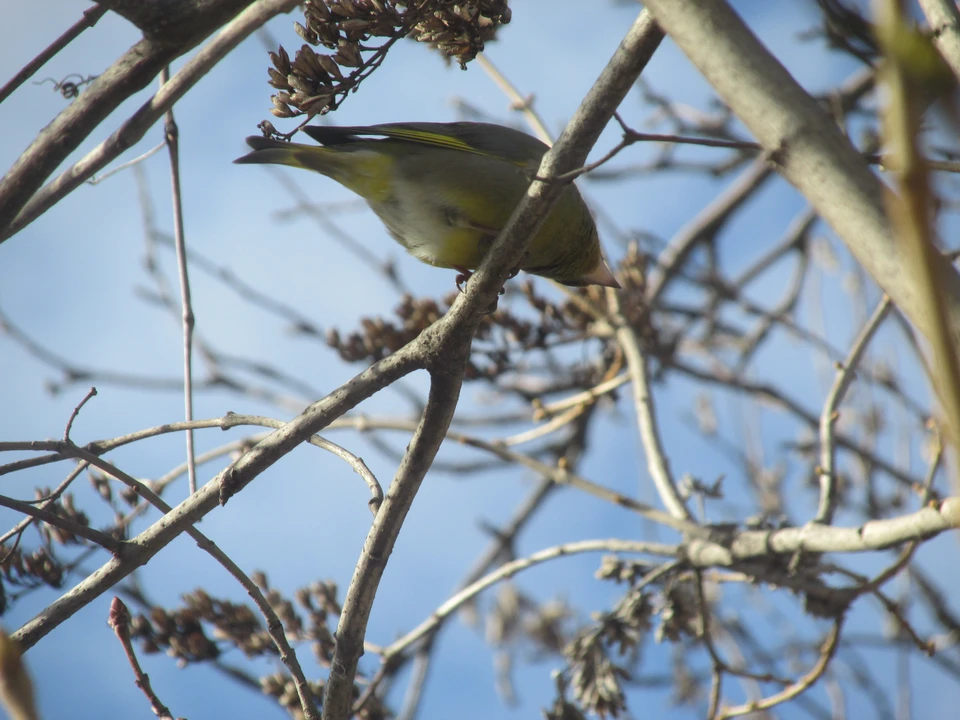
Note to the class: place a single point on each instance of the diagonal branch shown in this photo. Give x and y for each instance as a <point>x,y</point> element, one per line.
<point>455,331</point>
<point>441,405</point>
<point>90,18</point>
<point>21,199</point>
<point>805,145</point>
<point>141,549</point>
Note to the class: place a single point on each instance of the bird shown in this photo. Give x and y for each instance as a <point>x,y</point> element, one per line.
<point>445,190</point>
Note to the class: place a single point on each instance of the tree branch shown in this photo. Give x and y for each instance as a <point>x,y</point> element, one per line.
<point>90,17</point>
<point>441,405</point>
<point>461,321</point>
<point>20,201</point>
<point>804,143</point>
<point>139,550</point>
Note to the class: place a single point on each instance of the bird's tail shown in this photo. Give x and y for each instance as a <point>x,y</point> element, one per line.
<point>363,171</point>
<point>278,152</point>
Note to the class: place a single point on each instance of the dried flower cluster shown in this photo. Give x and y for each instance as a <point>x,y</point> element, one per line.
<point>595,678</point>
<point>283,689</point>
<point>680,614</point>
<point>28,570</point>
<point>314,83</point>
<point>503,335</point>
<point>593,675</point>
<point>599,655</point>
<point>625,626</point>
<point>516,616</point>
<point>616,568</point>
<point>182,633</point>
<point>377,337</point>
<point>64,508</point>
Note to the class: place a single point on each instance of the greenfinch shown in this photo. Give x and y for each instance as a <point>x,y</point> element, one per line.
<point>445,190</point>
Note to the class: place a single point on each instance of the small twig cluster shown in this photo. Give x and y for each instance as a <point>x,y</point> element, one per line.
<point>502,336</point>
<point>182,633</point>
<point>315,83</point>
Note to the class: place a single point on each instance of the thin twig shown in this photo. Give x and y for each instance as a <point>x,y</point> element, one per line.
<point>508,570</point>
<point>51,498</point>
<point>64,523</point>
<point>828,418</point>
<point>97,179</point>
<point>657,463</point>
<point>119,622</point>
<point>90,17</point>
<point>581,398</point>
<point>558,475</point>
<point>827,651</point>
<point>172,135</point>
<point>22,200</point>
<point>518,102</point>
<point>539,431</point>
<point>76,411</point>
<point>418,676</point>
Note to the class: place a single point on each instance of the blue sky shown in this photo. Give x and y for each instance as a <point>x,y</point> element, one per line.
<point>71,279</point>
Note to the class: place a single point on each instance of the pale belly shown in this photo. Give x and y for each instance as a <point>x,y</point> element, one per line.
<point>429,230</point>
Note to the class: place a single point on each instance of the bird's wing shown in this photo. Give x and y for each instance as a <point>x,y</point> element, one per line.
<point>478,138</point>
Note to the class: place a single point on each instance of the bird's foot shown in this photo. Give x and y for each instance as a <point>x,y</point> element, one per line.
<point>463,275</point>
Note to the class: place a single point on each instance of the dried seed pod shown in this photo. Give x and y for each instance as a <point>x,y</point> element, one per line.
<point>300,84</point>
<point>277,79</point>
<point>308,35</point>
<point>316,8</point>
<point>330,66</point>
<point>348,55</point>
<point>281,60</point>
<point>317,105</point>
<point>349,8</point>
<point>280,109</point>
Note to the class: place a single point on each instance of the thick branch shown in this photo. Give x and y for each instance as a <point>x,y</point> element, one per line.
<point>573,146</point>
<point>441,405</point>
<point>233,478</point>
<point>20,201</point>
<point>804,142</point>
<point>944,20</point>
<point>171,20</point>
<point>815,538</point>
<point>456,330</point>
<point>90,17</point>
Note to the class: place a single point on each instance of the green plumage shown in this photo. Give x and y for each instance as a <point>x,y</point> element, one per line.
<point>445,190</point>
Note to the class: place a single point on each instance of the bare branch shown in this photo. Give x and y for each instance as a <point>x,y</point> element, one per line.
<point>441,404</point>
<point>21,200</point>
<point>508,570</point>
<point>172,136</point>
<point>805,145</point>
<point>944,20</point>
<point>657,463</point>
<point>90,17</point>
<point>119,622</point>
<point>845,375</point>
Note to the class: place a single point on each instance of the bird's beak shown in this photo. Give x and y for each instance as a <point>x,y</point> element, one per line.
<point>600,275</point>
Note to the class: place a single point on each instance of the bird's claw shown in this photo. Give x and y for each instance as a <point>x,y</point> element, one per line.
<point>464,275</point>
